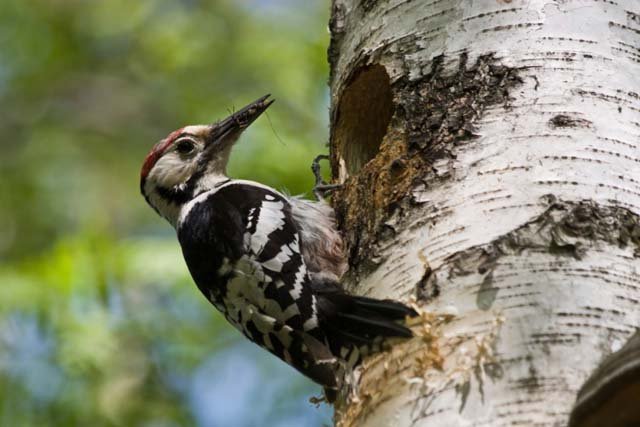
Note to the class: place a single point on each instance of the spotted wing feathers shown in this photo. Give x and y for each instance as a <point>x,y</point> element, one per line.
<point>242,248</point>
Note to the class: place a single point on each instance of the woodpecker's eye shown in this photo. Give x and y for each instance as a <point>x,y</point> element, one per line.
<point>185,146</point>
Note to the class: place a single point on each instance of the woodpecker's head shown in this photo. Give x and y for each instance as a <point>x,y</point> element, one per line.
<point>193,159</point>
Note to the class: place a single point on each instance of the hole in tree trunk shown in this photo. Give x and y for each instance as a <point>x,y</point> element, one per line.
<point>364,112</point>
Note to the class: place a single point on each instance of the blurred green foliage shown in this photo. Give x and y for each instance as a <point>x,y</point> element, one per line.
<point>100,323</point>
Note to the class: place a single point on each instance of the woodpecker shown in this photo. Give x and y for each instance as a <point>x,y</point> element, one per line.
<point>269,262</point>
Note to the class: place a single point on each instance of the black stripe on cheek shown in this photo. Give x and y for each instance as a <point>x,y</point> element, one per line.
<point>176,195</point>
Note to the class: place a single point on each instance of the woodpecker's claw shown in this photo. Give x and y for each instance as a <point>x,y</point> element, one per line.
<point>321,188</point>
<point>315,168</point>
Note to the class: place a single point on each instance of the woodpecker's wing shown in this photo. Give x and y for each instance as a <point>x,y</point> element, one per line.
<point>242,248</point>
<point>298,348</point>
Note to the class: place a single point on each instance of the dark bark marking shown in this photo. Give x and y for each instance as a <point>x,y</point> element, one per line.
<point>567,121</point>
<point>610,98</point>
<point>463,390</point>
<point>569,39</point>
<point>512,27</point>
<point>426,288</point>
<point>531,383</point>
<point>624,27</point>
<point>492,14</point>
<point>367,5</point>
<point>487,294</point>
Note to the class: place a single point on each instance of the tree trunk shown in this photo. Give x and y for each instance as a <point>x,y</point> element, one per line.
<point>490,157</point>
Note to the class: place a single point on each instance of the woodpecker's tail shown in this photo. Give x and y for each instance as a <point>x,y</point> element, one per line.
<point>360,322</point>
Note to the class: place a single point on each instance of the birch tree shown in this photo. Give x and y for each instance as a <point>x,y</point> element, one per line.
<point>490,162</point>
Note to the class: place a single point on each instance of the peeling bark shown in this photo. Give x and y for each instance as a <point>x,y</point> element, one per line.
<point>489,152</point>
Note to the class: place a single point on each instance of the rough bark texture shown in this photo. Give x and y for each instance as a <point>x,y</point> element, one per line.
<point>490,155</point>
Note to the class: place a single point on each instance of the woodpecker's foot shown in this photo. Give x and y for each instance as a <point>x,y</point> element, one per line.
<point>315,168</point>
<point>320,191</point>
<point>321,188</point>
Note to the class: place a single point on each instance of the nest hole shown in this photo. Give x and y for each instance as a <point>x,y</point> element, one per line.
<point>364,112</point>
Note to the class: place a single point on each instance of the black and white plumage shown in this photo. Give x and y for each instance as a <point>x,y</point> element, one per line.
<point>269,262</point>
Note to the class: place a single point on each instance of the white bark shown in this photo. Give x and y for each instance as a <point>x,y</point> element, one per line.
<point>526,231</point>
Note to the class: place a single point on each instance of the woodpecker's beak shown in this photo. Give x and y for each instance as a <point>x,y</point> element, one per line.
<point>224,133</point>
